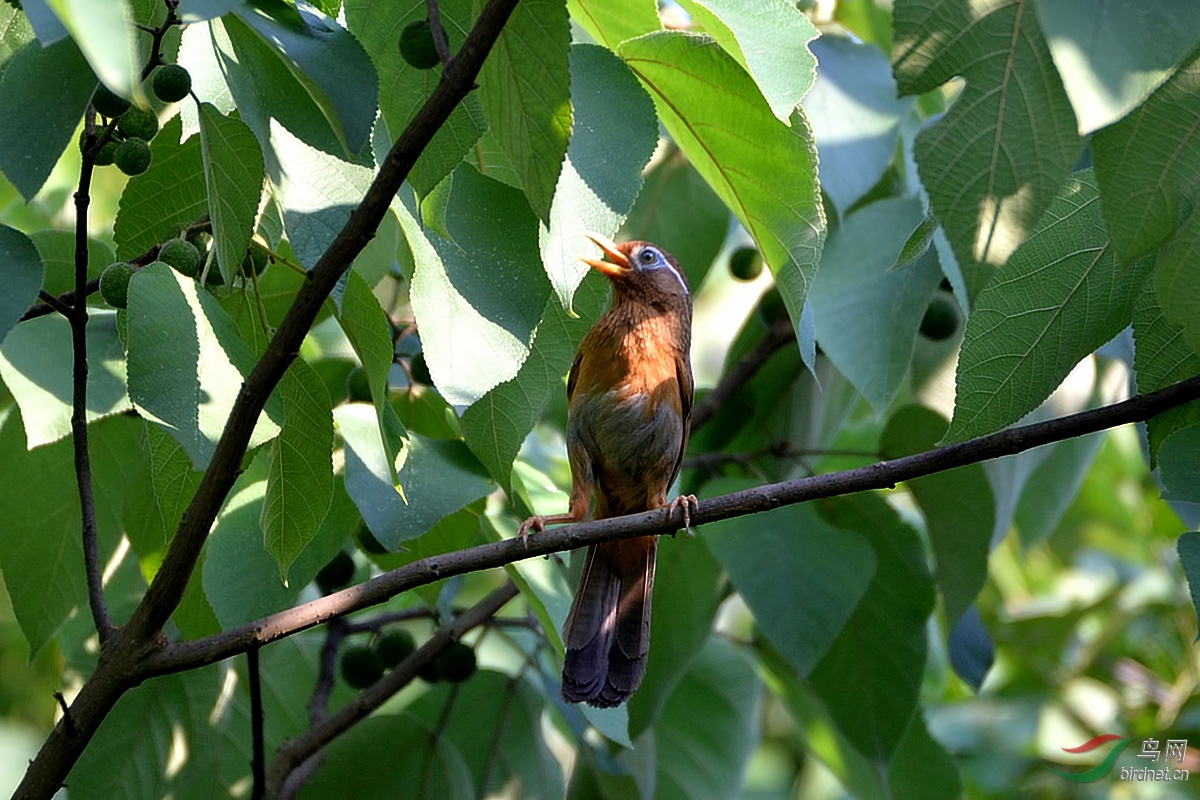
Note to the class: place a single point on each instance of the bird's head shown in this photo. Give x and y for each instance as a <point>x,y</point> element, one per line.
<point>641,272</point>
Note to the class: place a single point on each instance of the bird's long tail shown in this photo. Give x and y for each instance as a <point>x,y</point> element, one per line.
<point>607,633</point>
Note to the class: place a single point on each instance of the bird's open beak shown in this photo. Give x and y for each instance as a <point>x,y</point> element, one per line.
<point>617,264</point>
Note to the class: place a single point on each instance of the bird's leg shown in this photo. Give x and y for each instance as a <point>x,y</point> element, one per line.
<point>580,500</point>
<point>686,503</point>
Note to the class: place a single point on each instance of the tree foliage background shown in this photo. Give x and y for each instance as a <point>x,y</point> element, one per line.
<point>1018,173</point>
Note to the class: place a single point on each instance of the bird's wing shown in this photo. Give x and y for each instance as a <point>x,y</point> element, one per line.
<point>683,373</point>
<point>574,376</point>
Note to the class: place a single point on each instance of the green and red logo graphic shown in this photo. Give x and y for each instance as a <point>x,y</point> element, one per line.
<point>1100,770</point>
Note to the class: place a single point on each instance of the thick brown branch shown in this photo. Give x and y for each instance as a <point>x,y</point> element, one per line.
<point>294,752</point>
<point>116,673</point>
<point>881,475</point>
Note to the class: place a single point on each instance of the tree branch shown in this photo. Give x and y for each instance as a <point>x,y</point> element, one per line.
<point>79,431</point>
<point>294,752</point>
<point>881,475</point>
<point>119,670</point>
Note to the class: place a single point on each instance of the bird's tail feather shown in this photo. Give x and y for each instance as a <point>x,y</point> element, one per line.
<point>607,633</point>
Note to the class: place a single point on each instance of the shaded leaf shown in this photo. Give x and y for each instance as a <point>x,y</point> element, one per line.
<point>525,92</point>
<point>43,94</point>
<point>1125,50</point>
<point>233,175</point>
<point>1162,357</point>
<point>1188,546</point>
<point>36,363</point>
<point>300,468</point>
<point>187,362</point>
<point>866,314</point>
<point>603,169</point>
<point>1146,163</point>
<point>105,34</point>
<point>715,113</point>
<point>828,570</point>
<point>987,186</point>
<point>1063,294</point>
<point>20,279</point>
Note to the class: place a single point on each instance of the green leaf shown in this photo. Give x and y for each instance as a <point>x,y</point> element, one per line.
<point>855,114</point>
<point>40,550</point>
<point>769,38</point>
<point>958,505</point>
<point>763,170</point>
<point>496,425</point>
<point>1109,65</point>
<point>986,184</point>
<point>187,362</point>
<point>318,64</point>
<point>164,199</point>
<point>1162,357</point>
<point>526,94</point>
<point>494,721</point>
<point>173,483</point>
<point>36,363</point>
<point>611,22</point>
<point>688,591</point>
<point>1179,465</point>
<point>241,579</point>
<point>1177,280</point>
<point>105,34</point>
<point>15,33</point>
<point>403,89</point>
<point>43,94</point>
<point>1188,546</point>
<point>233,174</point>
<point>1062,295</point>
<point>720,696</point>
<point>439,477</point>
<point>317,192</point>
<point>1038,511</point>
<point>352,766</point>
<point>1145,164</point>
<point>603,170</point>
<point>20,279</point>
<point>200,10</point>
<point>678,211</point>
<point>867,314</point>
<point>922,767</point>
<point>57,250</point>
<point>477,299</point>
<point>870,678</point>
<point>300,468</point>
<point>826,570</point>
<point>134,745</point>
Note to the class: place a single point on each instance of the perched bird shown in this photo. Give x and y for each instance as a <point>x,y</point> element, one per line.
<point>630,395</point>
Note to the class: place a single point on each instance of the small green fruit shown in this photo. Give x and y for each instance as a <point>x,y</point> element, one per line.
<point>416,45</point>
<point>429,673</point>
<point>182,255</point>
<point>357,386</point>
<point>133,156</point>
<point>114,284</point>
<point>138,123</point>
<point>941,318</point>
<point>360,666</point>
<point>171,83</point>
<point>745,263</point>
<point>393,647</point>
<point>456,663</point>
<point>336,574</point>
<point>107,103</point>
<point>107,154</point>
<point>254,262</point>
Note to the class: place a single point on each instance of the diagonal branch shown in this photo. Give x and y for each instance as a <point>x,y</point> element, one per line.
<point>119,666</point>
<point>881,475</point>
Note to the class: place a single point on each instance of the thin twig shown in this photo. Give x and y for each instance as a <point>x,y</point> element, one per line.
<point>157,35</point>
<point>79,431</point>
<point>318,704</point>
<point>439,33</point>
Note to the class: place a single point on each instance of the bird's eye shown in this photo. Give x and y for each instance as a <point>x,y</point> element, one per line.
<point>648,255</point>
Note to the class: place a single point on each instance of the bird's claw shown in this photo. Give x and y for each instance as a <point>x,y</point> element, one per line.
<point>686,503</point>
<point>535,523</point>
